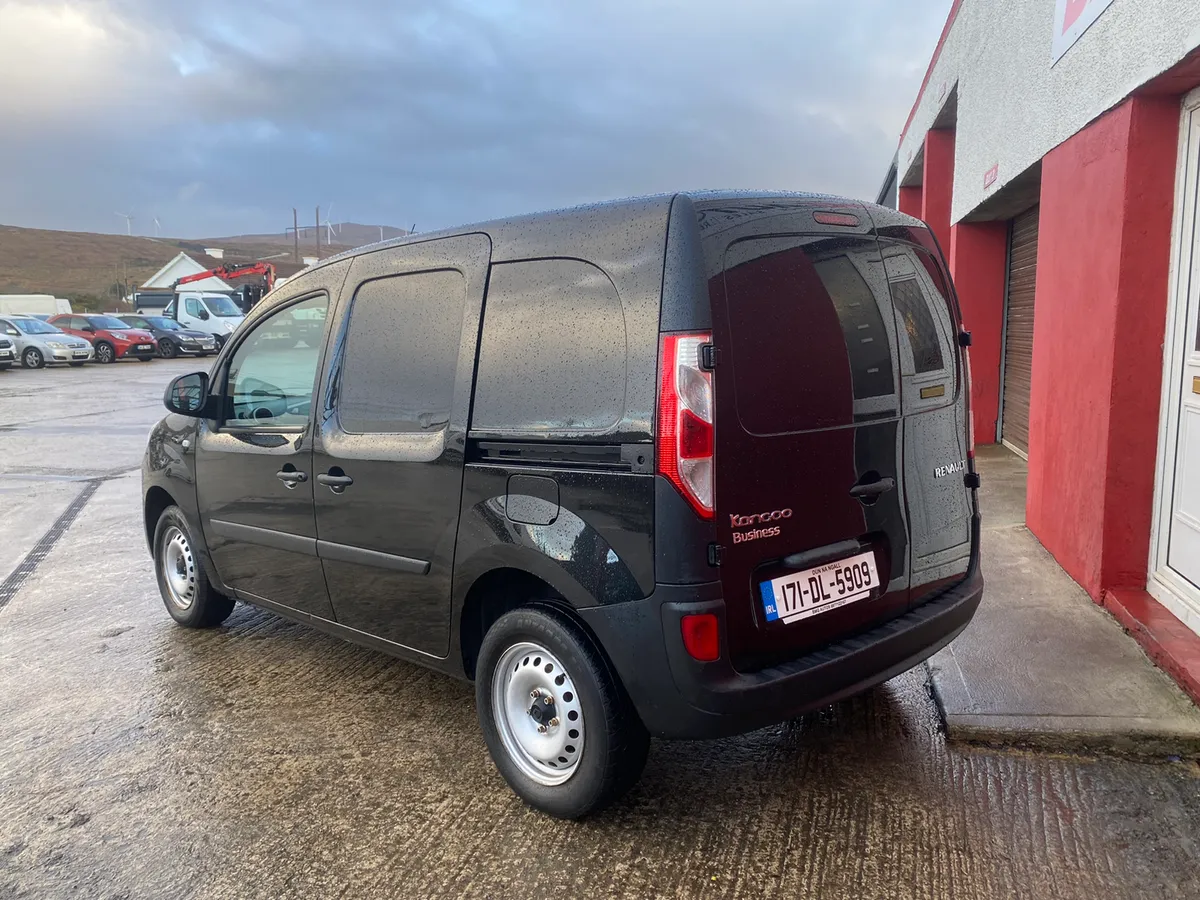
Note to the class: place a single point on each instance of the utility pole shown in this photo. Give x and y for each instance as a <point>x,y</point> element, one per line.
<point>295,236</point>
<point>318,233</point>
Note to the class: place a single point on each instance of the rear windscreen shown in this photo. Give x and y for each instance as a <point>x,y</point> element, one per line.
<point>826,333</point>
<point>812,337</point>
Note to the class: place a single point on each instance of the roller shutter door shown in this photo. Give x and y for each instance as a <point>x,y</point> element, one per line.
<point>1018,330</point>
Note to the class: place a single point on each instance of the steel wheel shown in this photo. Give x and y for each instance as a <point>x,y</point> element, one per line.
<point>537,713</point>
<point>178,567</point>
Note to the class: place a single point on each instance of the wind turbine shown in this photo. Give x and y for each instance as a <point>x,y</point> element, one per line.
<point>329,232</point>
<point>157,226</point>
<point>128,217</point>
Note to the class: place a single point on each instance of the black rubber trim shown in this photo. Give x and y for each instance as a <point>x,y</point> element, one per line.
<point>610,457</point>
<point>265,537</point>
<point>378,559</point>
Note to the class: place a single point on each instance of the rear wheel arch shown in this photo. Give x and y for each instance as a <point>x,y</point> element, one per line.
<point>502,590</point>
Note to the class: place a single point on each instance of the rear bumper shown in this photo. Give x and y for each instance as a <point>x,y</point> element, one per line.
<point>678,697</point>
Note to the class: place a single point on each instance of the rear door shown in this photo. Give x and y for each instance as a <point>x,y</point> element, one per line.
<point>809,454</point>
<point>935,431</point>
<point>389,455</point>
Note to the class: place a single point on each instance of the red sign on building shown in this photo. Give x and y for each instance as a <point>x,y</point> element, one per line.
<point>1071,19</point>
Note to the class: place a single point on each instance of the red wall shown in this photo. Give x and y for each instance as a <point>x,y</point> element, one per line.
<point>978,257</point>
<point>910,201</point>
<point>938,184</point>
<point>1103,260</point>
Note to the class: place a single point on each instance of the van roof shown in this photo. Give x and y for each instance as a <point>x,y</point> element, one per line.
<point>561,231</point>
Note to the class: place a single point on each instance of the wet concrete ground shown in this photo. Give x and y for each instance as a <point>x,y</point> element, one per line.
<point>263,759</point>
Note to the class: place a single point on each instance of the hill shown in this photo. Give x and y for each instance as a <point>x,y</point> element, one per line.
<point>94,270</point>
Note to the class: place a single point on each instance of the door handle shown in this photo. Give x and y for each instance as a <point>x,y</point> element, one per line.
<point>874,489</point>
<point>291,477</point>
<point>335,482</point>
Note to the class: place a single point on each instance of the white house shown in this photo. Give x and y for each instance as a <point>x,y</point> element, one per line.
<point>182,266</point>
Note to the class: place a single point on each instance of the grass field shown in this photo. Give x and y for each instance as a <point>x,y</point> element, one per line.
<point>83,267</point>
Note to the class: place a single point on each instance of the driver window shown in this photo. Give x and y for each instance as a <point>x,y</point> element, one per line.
<point>192,305</point>
<point>272,372</point>
<point>10,328</point>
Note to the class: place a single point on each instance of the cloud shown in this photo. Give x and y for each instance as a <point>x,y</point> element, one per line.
<point>439,111</point>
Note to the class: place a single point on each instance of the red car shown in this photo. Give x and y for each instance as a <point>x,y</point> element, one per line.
<point>112,338</point>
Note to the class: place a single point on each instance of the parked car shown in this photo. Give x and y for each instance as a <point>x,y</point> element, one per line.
<point>38,342</point>
<point>172,338</point>
<point>112,338</point>
<point>8,353</point>
<point>698,465</point>
<point>215,314</point>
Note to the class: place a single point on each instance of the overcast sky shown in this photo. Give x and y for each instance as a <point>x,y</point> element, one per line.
<point>220,116</point>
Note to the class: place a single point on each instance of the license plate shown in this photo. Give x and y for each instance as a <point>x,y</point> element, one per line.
<point>5,354</point>
<point>80,354</point>
<point>814,591</point>
<point>143,346</point>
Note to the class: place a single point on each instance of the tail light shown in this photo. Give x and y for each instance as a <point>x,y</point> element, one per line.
<point>701,636</point>
<point>685,420</point>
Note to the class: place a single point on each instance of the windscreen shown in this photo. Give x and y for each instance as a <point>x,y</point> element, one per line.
<point>222,306</point>
<point>35,326</point>
<point>813,333</point>
<point>111,323</point>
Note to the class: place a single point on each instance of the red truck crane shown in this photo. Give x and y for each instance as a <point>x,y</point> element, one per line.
<point>264,269</point>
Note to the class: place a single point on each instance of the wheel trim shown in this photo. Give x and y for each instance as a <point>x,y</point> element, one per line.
<point>550,757</point>
<point>178,568</point>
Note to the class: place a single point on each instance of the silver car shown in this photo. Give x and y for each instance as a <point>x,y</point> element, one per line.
<point>38,342</point>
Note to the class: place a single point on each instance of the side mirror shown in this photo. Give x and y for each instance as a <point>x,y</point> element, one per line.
<point>204,314</point>
<point>187,395</point>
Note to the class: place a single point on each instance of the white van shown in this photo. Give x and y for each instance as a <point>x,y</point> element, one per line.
<point>213,314</point>
<point>33,305</point>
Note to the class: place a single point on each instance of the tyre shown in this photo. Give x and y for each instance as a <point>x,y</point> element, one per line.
<point>32,358</point>
<point>188,594</point>
<point>145,358</point>
<point>167,349</point>
<point>5,365</point>
<point>74,365</point>
<point>105,352</point>
<point>558,725</point>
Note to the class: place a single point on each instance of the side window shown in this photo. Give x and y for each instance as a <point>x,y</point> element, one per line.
<point>272,372</point>
<point>553,353</point>
<point>401,354</point>
<point>78,323</point>
<point>192,306</point>
<point>9,328</point>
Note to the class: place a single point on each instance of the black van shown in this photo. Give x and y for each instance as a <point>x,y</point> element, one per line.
<point>681,466</point>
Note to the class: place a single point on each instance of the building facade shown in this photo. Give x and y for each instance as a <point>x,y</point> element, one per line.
<point>1054,149</point>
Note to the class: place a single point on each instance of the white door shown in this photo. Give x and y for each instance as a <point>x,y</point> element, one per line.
<point>1183,544</point>
<point>1175,557</point>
